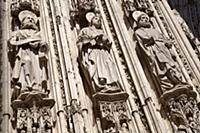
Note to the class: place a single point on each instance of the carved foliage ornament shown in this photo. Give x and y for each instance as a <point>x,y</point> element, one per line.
<point>184,112</point>
<point>73,108</point>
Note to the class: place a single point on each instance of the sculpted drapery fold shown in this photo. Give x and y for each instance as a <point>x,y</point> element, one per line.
<point>29,71</point>
<point>28,57</point>
<point>157,48</point>
<point>176,95</point>
<point>101,75</point>
<point>95,57</point>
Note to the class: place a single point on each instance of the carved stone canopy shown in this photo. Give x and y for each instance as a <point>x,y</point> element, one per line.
<point>20,5</point>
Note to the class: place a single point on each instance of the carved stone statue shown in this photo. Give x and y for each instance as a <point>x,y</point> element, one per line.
<point>95,58</point>
<point>157,51</point>
<point>30,56</point>
<point>124,128</point>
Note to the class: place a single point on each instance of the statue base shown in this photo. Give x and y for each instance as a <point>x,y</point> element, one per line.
<point>32,112</point>
<point>26,100</point>
<point>110,96</point>
<point>181,107</point>
<point>177,91</point>
<point>112,110</point>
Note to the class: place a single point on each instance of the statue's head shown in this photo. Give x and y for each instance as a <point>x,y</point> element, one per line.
<point>93,19</point>
<point>28,20</point>
<point>142,19</point>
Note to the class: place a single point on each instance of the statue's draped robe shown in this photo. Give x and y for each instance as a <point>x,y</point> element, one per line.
<point>26,43</point>
<point>159,57</point>
<point>96,57</point>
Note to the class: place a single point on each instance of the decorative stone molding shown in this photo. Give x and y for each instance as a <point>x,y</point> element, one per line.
<point>129,7</point>
<point>120,50</point>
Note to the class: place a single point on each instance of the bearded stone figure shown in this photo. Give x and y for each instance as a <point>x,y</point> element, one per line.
<point>157,51</point>
<point>29,71</point>
<point>95,58</point>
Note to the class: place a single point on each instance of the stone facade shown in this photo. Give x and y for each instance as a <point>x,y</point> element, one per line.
<point>99,66</point>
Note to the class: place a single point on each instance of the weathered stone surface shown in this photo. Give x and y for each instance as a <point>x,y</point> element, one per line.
<point>74,66</point>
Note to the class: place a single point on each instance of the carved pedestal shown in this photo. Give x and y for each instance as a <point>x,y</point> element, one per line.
<point>112,111</point>
<point>33,114</point>
<point>182,109</point>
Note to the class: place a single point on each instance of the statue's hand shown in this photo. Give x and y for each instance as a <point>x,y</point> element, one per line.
<point>34,44</point>
<point>168,45</point>
<point>105,39</point>
<point>10,46</point>
<point>93,42</point>
<point>99,38</point>
<point>43,47</point>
